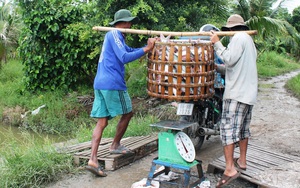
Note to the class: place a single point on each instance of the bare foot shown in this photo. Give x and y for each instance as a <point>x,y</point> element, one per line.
<point>93,164</point>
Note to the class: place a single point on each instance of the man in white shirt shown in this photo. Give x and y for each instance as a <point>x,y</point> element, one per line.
<point>239,96</point>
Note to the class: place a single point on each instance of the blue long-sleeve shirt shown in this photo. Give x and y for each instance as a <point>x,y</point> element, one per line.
<point>111,66</point>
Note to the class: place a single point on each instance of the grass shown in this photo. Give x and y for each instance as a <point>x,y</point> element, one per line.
<point>63,114</point>
<point>10,84</point>
<point>34,162</point>
<point>273,64</point>
<point>265,85</point>
<point>136,81</point>
<point>31,163</point>
<point>138,126</point>
<point>294,85</point>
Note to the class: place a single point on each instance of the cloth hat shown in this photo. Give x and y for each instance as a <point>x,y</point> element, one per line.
<point>124,15</point>
<point>233,21</point>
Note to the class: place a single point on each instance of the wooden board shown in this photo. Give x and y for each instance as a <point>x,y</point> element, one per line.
<point>259,159</point>
<point>141,145</point>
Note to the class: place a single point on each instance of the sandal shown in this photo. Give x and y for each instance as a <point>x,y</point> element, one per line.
<point>227,179</point>
<point>236,164</point>
<point>98,171</point>
<point>120,150</point>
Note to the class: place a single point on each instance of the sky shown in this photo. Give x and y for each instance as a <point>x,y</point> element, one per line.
<point>289,4</point>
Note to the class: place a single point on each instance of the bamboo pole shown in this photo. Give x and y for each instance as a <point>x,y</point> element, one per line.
<point>172,33</point>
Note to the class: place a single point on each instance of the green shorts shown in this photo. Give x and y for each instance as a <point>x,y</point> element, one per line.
<point>110,103</point>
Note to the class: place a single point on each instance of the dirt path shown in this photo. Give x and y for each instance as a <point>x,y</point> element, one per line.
<point>275,125</point>
<point>276,116</point>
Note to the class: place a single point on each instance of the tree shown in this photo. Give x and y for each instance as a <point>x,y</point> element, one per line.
<point>273,33</point>
<point>177,15</point>
<point>257,16</point>
<point>282,14</point>
<point>60,50</point>
<point>292,42</point>
<point>10,26</point>
<point>296,18</point>
<point>55,46</point>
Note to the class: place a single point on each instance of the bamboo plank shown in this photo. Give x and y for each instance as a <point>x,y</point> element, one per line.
<point>81,146</point>
<point>285,157</point>
<point>130,143</point>
<point>252,169</point>
<point>259,159</point>
<point>142,146</point>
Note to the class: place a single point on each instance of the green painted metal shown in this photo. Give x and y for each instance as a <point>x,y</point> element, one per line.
<point>167,150</point>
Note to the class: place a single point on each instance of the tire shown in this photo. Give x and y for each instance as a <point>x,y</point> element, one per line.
<point>196,139</point>
<point>214,107</point>
<point>192,131</point>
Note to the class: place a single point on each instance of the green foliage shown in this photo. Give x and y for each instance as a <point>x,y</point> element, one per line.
<point>10,84</point>
<point>253,8</point>
<point>282,14</point>
<point>275,44</point>
<point>267,26</point>
<point>138,126</point>
<point>137,78</point>
<point>296,18</point>
<point>31,164</point>
<point>10,26</point>
<point>273,64</point>
<point>57,44</point>
<point>161,15</point>
<point>60,50</point>
<point>293,85</point>
<point>295,45</point>
<point>292,41</point>
<point>272,29</point>
<point>11,73</point>
<point>63,113</point>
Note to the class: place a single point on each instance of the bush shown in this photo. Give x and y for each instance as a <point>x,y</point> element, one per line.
<point>57,44</point>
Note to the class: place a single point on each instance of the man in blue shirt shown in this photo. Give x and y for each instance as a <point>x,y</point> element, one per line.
<point>111,97</point>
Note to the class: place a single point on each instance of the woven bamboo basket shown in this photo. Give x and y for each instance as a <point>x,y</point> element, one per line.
<point>181,70</point>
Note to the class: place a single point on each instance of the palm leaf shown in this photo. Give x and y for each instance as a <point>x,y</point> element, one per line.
<point>261,8</point>
<point>243,9</point>
<point>266,26</point>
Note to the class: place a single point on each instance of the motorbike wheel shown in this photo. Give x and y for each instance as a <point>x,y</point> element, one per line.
<point>196,139</point>
<point>192,131</point>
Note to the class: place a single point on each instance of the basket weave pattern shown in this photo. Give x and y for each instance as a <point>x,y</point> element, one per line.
<point>181,70</point>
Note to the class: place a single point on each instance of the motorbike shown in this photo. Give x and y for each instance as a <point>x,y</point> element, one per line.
<point>207,113</point>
